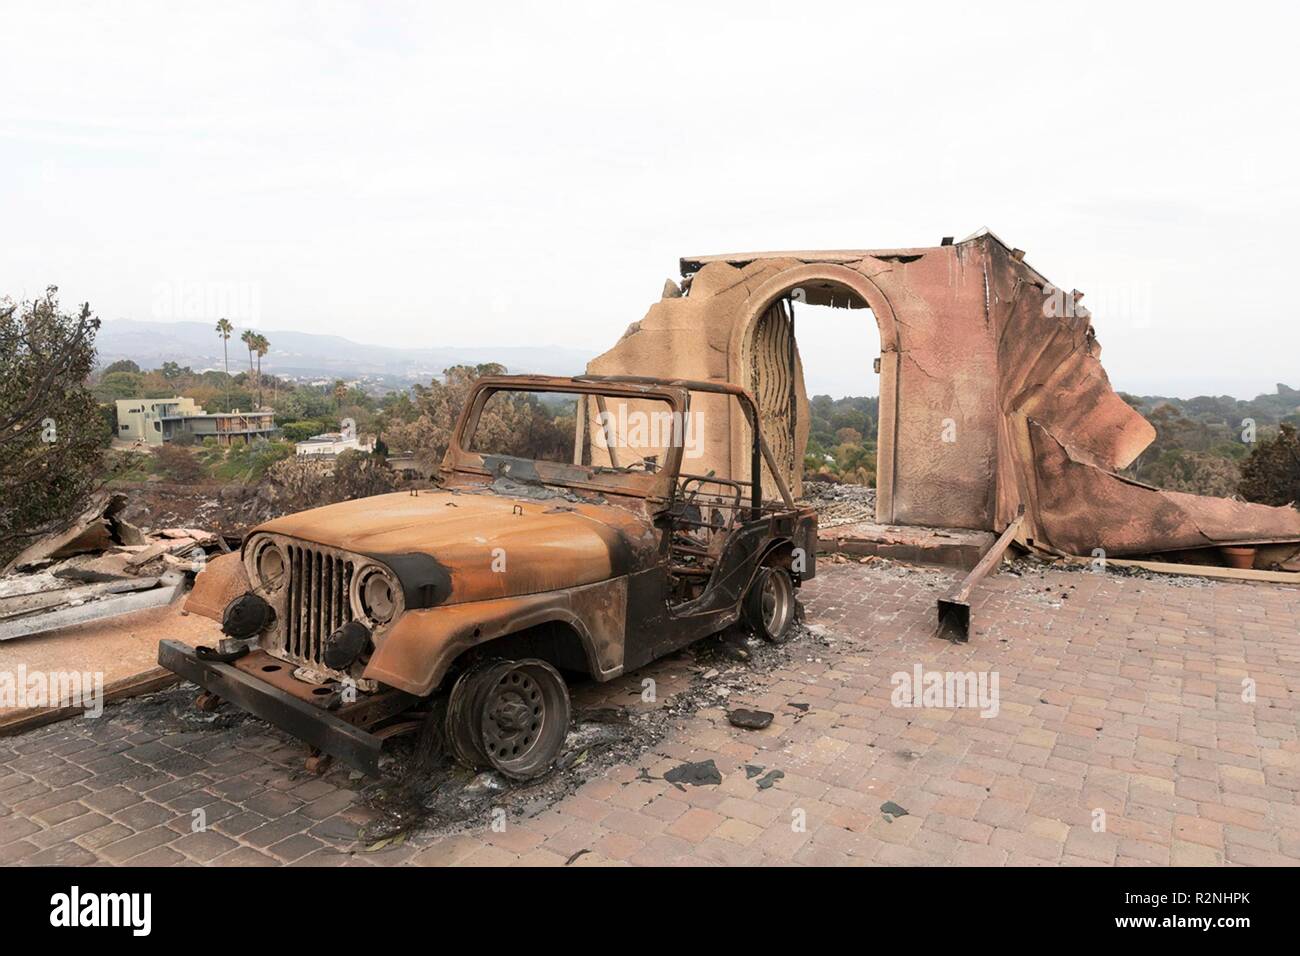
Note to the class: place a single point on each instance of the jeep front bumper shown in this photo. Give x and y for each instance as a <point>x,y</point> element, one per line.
<point>324,729</point>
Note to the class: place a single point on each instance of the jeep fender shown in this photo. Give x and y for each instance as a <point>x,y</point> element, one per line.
<point>222,579</point>
<point>416,652</point>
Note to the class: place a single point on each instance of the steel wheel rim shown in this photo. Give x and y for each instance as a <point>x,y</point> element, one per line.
<point>523,717</point>
<point>514,713</point>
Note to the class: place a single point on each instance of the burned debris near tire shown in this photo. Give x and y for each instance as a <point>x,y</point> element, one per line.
<point>422,791</point>
<point>750,719</point>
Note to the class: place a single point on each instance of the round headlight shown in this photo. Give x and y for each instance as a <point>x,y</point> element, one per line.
<point>270,565</point>
<point>378,595</point>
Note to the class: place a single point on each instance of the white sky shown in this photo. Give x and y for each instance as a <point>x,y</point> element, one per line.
<point>529,174</point>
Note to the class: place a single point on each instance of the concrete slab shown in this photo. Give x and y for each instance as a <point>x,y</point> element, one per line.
<point>942,547</point>
<point>123,649</point>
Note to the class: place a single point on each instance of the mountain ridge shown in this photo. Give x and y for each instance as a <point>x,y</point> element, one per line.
<point>196,344</point>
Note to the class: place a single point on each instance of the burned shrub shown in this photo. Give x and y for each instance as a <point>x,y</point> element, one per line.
<point>296,484</point>
<point>360,475</point>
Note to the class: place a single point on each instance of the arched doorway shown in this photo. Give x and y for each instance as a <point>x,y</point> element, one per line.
<point>765,360</point>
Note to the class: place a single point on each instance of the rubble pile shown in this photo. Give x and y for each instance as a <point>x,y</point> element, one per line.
<point>229,509</point>
<point>100,566</point>
<point>839,504</point>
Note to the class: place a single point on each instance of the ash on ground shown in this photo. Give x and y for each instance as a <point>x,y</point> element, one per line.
<point>423,792</point>
<point>1029,566</point>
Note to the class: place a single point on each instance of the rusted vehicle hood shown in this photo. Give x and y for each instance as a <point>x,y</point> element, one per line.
<point>488,545</point>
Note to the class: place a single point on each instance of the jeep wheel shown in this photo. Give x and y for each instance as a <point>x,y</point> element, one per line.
<point>511,716</point>
<point>769,605</point>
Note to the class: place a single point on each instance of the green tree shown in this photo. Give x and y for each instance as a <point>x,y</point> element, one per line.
<point>224,329</point>
<point>261,346</point>
<point>51,429</point>
<point>248,337</point>
<point>1195,472</point>
<point>115,385</point>
<point>122,365</point>
<point>1175,434</point>
<point>1271,475</point>
<point>438,406</point>
<point>301,430</point>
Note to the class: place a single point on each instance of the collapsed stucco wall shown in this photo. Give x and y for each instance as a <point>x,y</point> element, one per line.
<point>992,393</point>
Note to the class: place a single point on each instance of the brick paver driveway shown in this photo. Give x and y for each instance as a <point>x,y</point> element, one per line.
<point>1137,721</point>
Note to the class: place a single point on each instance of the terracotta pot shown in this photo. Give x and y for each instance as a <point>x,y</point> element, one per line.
<point>1243,558</point>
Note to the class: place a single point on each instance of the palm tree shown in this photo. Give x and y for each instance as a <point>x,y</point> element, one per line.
<point>247,338</point>
<point>261,345</point>
<point>224,328</point>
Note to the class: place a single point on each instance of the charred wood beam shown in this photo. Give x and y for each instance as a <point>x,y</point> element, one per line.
<point>954,607</point>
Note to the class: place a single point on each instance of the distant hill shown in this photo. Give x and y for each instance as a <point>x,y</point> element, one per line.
<point>195,344</point>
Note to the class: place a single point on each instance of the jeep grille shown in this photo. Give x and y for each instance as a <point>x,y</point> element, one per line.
<point>316,601</point>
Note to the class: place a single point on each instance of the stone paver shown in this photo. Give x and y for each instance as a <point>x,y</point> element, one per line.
<point>1137,722</point>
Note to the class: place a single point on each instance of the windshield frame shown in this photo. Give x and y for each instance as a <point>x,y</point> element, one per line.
<point>658,485</point>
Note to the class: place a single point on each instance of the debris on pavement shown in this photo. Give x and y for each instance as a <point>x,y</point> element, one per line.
<point>892,811</point>
<point>750,719</point>
<point>419,790</point>
<point>700,773</point>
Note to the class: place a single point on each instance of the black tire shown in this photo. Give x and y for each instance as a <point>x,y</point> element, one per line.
<point>770,606</point>
<point>510,716</point>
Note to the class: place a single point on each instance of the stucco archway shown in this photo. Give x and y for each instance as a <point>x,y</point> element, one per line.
<point>826,283</point>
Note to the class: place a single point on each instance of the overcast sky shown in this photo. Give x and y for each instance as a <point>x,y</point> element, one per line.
<point>530,174</point>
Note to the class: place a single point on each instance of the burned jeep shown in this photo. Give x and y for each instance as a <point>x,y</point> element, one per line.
<point>461,608</point>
